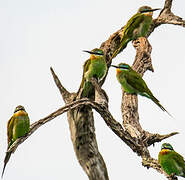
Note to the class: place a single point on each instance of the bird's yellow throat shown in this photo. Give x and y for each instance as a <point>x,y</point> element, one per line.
<point>20,113</point>
<point>164,151</point>
<point>118,71</point>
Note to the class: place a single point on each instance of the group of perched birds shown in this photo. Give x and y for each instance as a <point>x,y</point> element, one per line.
<point>132,83</point>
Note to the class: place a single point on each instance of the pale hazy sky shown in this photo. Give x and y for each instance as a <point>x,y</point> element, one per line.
<point>37,34</point>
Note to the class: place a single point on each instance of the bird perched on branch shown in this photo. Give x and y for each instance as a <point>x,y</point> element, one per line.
<point>171,162</point>
<point>18,126</point>
<point>95,67</point>
<point>137,26</point>
<point>133,83</point>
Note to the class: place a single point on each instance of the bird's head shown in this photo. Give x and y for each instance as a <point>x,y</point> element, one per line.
<point>95,53</point>
<point>167,146</point>
<point>122,67</point>
<point>19,108</point>
<point>147,10</point>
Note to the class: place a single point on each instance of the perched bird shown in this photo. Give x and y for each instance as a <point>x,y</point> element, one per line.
<point>133,83</point>
<point>171,162</point>
<point>94,67</point>
<point>137,26</point>
<point>18,126</point>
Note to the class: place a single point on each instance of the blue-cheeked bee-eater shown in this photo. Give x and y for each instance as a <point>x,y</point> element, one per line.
<point>171,162</point>
<point>18,126</point>
<point>137,26</point>
<point>95,67</point>
<point>133,83</point>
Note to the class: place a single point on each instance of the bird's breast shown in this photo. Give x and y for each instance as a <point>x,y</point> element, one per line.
<point>20,113</point>
<point>93,57</point>
<point>164,151</point>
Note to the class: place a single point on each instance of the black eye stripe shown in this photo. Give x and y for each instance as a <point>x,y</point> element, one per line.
<point>146,10</point>
<point>97,53</point>
<point>149,10</point>
<point>20,109</point>
<point>167,148</point>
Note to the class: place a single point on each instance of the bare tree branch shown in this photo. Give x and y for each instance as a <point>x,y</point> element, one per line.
<point>168,4</point>
<point>114,125</point>
<point>81,123</point>
<point>65,94</point>
<point>153,138</point>
<point>167,17</point>
<point>100,95</point>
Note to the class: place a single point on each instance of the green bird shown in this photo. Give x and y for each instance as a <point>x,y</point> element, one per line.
<point>171,162</point>
<point>133,83</point>
<point>18,126</point>
<point>137,26</point>
<point>95,67</point>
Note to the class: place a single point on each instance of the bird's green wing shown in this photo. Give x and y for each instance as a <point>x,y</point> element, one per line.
<point>135,81</point>
<point>10,136</point>
<point>10,130</point>
<point>178,158</point>
<point>128,30</point>
<point>85,69</point>
<point>132,24</point>
<point>127,34</point>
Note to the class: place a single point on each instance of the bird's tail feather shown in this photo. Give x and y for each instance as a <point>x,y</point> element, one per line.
<point>7,157</point>
<point>156,101</point>
<point>123,45</point>
<point>88,90</point>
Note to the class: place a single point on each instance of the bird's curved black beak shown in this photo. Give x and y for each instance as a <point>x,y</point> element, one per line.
<point>151,10</point>
<point>95,53</point>
<point>114,66</point>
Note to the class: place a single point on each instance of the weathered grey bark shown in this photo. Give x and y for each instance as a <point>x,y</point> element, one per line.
<point>80,115</point>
